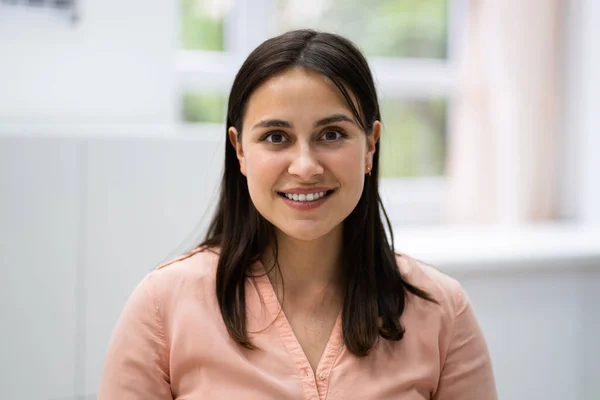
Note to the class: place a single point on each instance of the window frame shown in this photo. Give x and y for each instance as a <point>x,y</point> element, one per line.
<point>579,192</point>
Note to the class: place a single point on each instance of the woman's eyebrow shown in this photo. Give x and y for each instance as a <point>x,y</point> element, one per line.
<point>273,123</point>
<point>332,119</point>
<point>279,123</point>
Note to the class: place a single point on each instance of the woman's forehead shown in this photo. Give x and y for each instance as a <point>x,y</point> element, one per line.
<point>297,91</point>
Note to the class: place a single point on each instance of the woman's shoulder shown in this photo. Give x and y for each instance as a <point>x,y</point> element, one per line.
<point>446,290</point>
<point>199,262</point>
<point>193,270</point>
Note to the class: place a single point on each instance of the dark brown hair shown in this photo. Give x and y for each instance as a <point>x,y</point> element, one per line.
<point>374,291</point>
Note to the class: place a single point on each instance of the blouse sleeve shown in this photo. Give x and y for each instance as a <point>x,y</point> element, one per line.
<point>467,371</point>
<point>136,363</point>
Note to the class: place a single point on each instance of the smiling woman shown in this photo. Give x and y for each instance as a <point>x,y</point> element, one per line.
<point>302,139</point>
<point>296,292</point>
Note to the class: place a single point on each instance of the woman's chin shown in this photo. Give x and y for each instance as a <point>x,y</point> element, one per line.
<point>306,232</point>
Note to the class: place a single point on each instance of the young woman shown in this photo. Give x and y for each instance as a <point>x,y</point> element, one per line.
<point>296,293</point>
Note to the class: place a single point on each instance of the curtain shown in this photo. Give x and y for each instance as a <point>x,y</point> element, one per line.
<point>504,128</point>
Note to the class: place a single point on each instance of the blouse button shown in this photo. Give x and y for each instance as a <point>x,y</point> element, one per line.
<point>322,376</point>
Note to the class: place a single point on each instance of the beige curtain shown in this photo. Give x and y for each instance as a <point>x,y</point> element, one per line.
<point>505,122</point>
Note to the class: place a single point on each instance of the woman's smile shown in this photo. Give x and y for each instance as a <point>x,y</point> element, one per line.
<point>306,201</point>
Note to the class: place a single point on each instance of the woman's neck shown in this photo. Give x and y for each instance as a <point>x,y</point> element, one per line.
<point>306,266</point>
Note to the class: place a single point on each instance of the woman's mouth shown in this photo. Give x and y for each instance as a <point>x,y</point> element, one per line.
<point>303,198</point>
<point>306,201</point>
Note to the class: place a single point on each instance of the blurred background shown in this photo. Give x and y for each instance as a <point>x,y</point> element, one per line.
<point>111,145</point>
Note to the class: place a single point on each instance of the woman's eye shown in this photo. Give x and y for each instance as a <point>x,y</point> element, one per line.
<point>332,135</point>
<point>275,138</point>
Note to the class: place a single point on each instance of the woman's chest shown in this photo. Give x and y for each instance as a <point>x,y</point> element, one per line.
<point>208,364</point>
<point>205,362</point>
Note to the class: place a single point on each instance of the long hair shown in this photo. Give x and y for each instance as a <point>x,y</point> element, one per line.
<point>375,293</point>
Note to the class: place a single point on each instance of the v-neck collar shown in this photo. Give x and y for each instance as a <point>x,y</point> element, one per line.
<point>334,346</point>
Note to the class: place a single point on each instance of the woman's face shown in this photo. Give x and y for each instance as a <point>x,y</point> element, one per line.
<point>303,153</point>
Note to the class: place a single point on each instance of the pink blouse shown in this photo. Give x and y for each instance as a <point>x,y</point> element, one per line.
<point>171,343</point>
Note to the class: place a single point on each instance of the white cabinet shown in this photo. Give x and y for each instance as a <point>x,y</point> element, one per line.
<point>39,260</point>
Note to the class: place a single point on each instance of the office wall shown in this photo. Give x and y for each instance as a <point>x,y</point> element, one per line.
<point>115,65</point>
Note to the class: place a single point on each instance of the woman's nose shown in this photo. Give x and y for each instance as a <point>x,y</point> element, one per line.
<point>304,164</point>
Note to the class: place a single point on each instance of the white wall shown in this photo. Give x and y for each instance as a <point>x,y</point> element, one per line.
<point>541,329</point>
<point>114,66</point>
<point>39,254</point>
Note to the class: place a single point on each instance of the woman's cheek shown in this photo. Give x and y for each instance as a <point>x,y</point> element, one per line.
<point>348,165</point>
<point>263,169</point>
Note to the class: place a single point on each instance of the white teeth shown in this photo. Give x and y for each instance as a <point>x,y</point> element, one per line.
<point>305,197</point>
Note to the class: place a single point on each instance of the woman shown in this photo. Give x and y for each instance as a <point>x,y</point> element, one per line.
<point>296,293</point>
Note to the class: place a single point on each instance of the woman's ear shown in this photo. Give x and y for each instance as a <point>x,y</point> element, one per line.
<point>372,141</point>
<point>236,142</point>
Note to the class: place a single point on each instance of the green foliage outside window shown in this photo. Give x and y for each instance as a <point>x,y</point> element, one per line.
<point>386,28</point>
<point>199,29</point>
<point>413,141</point>
<point>203,107</point>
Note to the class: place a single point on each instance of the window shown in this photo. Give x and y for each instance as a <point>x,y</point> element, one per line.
<point>383,28</point>
<point>410,46</point>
